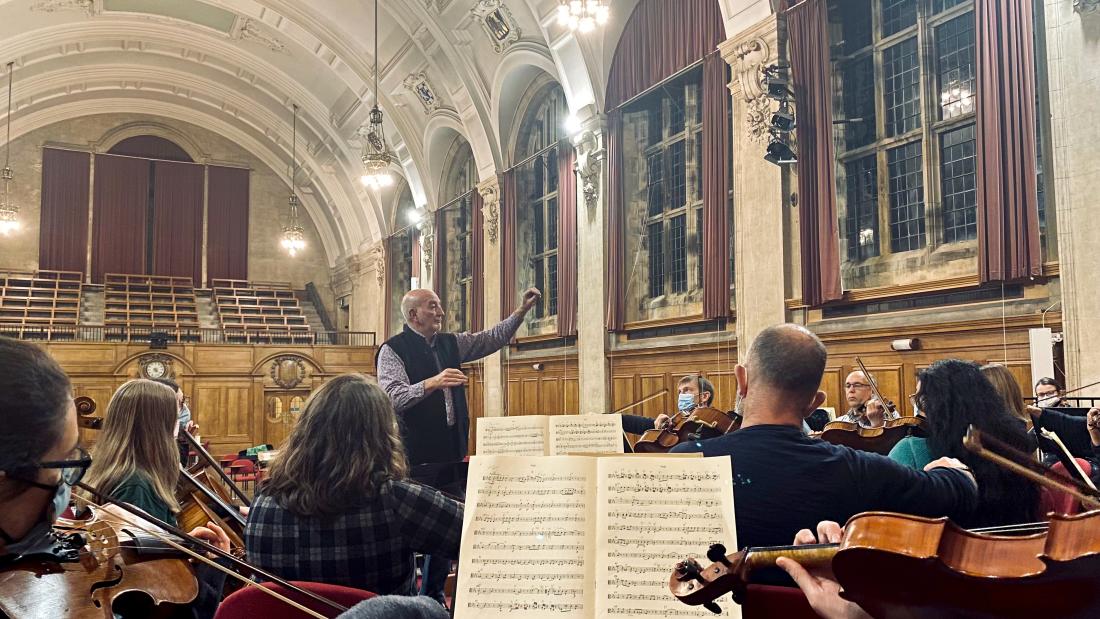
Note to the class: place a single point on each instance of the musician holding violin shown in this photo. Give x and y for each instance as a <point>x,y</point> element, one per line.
<point>864,407</point>
<point>693,391</point>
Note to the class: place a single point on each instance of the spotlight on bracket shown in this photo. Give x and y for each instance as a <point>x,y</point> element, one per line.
<point>780,153</point>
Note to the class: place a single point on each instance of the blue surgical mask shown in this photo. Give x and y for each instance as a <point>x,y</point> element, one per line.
<point>685,403</point>
<point>39,539</point>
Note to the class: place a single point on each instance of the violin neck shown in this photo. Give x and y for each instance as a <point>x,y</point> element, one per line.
<point>809,556</point>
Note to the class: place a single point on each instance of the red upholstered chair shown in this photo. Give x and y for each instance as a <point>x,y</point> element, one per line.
<point>249,603</point>
<point>768,601</point>
<point>1061,502</point>
<point>243,471</point>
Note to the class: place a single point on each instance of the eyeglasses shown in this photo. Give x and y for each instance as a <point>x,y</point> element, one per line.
<point>856,386</point>
<point>73,469</point>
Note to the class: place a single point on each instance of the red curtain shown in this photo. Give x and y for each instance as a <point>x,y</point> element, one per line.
<point>567,240</point>
<point>807,27</point>
<point>1008,215</point>
<point>716,200</point>
<point>63,235</point>
<point>507,243</point>
<point>660,38</point>
<point>177,219</point>
<point>119,205</point>
<point>477,263</point>
<point>616,251</point>
<point>227,223</point>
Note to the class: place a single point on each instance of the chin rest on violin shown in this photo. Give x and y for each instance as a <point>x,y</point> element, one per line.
<point>703,423</point>
<point>879,440</point>
<point>894,565</point>
<point>95,565</point>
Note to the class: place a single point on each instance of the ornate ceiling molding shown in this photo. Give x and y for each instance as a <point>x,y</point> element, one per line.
<point>498,23</point>
<point>54,6</point>
<point>423,90</point>
<point>248,29</point>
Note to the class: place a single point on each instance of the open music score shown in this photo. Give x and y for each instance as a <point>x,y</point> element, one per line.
<point>551,435</point>
<point>577,537</point>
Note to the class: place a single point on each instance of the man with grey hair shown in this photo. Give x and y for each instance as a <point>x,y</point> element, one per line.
<point>785,481</point>
<point>419,369</point>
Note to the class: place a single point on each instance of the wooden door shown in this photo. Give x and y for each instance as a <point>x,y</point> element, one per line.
<point>281,411</point>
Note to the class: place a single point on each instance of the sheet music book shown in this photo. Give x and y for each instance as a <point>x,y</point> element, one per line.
<point>577,537</point>
<point>549,435</point>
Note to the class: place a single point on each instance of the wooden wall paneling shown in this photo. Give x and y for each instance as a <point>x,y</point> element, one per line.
<point>99,390</point>
<point>624,391</point>
<point>650,384</point>
<point>889,381</point>
<point>515,397</point>
<point>1022,373</point>
<point>725,388</point>
<point>572,397</point>
<point>551,395</point>
<point>832,383</point>
<point>530,400</point>
<point>475,398</point>
<point>224,412</point>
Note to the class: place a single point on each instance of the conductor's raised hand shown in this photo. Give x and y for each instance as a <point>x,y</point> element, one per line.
<point>530,297</point>
<point>446,379</point>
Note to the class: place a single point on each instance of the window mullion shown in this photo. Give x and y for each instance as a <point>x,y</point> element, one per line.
<point>930,112</point>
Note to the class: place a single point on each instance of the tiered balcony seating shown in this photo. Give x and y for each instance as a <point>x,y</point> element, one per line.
<point>259,312</point>
<point>149,302</point>
<point>34,304</point>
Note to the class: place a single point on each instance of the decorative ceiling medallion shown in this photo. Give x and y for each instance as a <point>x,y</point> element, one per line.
<point>155,365</point>
<point>52,6</point>
<point>498,23</point>
<point>419,85</point>
<point>288,371</point>
<point>249,30</point>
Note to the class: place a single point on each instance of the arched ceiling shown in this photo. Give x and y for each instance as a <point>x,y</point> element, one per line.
<point>237,66</point>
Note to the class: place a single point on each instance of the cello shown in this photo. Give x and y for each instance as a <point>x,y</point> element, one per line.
<point>704,422</point>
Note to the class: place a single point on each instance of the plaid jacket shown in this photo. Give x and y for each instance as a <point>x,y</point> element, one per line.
<point>368,548</point>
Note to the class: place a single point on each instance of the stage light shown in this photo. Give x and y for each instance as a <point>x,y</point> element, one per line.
<point>783,120</point>
<point>780,153</point>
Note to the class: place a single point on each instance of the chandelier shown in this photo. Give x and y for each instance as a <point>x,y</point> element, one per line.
<point>583,15</point>
<point>294,238</point>
<point>9,210</point>
<point>377,157</point>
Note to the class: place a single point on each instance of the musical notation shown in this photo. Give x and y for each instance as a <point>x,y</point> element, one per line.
<point>637,531</point>
<point>585,434</point>
<point>511,436</point>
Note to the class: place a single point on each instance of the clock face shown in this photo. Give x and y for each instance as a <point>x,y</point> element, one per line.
<point>155,369</point>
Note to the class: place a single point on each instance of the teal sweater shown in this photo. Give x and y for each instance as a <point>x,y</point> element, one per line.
<point>912,451</point>
<point>138,491</point>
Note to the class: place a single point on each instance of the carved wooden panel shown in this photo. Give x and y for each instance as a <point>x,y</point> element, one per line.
<point>651,384</point>
<point>224,412</point>
<point>529,404</point>
<point>832,383</point>
<point>551,396</point>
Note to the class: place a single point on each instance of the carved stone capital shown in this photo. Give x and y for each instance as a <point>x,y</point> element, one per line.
<point>427,244</point>
<point>748,55</point>
<point>490,209</point>
<point>591,147</point>
<point>376,258</point>
<point>1086,6</point>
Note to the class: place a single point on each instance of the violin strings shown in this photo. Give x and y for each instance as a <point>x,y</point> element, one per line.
<point>195,555</point>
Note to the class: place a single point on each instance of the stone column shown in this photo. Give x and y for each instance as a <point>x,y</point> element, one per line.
<point>371,288</point>
<point>592,280</point>
<point>493,365</point>
<point>758,239</point>
<point>1074,77</point>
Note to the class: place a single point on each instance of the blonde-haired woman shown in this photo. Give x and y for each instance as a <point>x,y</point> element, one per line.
<point>337,508</point>
<point>1006,386</point>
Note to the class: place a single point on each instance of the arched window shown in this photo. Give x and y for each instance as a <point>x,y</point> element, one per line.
<point>454,234</point>
<point>401,259</point>
<point>669,156</point>
<point>538,148</point>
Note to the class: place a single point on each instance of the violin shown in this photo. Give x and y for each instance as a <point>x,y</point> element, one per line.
<point>704,422</point>
<point>879,440</point>
<point>1049,571</point>
<point>85,407</point>
<point>199,505</point>
<point>96,568</point>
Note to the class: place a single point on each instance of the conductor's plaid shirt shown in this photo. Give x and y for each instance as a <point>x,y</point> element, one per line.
<point>367,548</point>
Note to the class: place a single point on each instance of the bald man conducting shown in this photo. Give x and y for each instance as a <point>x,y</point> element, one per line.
<point>419,369</point>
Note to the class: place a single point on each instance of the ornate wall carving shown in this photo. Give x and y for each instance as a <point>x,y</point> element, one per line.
<point>747,59</point>
<point>51,6</point>
<point>490,210</point>
<point>498,23</point>
<point>422,89</point>
<point>1086,6</point>
<point>591,152</point>
<point>288,371</point>
<point>250,30</point>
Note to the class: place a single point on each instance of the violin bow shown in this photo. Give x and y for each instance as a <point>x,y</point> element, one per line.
<point>174,530</point>
<point>871,381</point>
<point>652,396</point>
<point>205,455</point>
<point>1022,464</point>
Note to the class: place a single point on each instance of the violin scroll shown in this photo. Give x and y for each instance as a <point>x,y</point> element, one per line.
<point>85,408</point>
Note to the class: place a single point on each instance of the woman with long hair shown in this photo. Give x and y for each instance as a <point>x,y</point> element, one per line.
<point>135,458</point>
<point>337,507</point>
<point>953,395</point>
<point>1004,383</point>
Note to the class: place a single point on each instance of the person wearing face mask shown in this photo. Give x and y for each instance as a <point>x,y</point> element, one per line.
<point>183,414</point>
<point>785,481</point>
<point>39,456</point>
<point>693,391</point>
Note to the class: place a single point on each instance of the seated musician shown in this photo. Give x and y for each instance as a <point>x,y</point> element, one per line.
<point>785,481</point>
<point>38,430</point>
<point>1048,393</point>
<point>694,392</point>
<point>184,413</point>
<point>863,407</point>
<point>820,586</point>
<point>954,395</point>
<point>337,507</point>
<point>136,460</point>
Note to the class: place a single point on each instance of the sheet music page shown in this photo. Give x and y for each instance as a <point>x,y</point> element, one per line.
<point>522,435</point>
<point>653,512</point>
<point>585,434</point>
<point>527,534</point>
